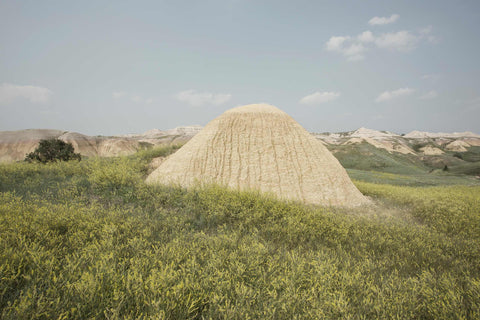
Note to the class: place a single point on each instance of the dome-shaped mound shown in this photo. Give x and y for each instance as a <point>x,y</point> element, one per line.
<point>256,108</point>
<point>261,147</point>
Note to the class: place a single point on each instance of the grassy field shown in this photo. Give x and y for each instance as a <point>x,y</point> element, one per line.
<point>437,178</point>
<point>89,240</point>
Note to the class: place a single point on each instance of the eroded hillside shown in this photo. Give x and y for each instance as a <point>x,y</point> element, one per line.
<point>14,145</point>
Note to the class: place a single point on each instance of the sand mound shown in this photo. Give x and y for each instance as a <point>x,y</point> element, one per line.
<point>390,146</point>
<point>261,147</point>
<point>458,145</point>
<point>431,151</point>
<point>370,133</point>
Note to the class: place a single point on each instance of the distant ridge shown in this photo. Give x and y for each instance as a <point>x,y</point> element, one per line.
<point>393,142</point>
<point>370,133</point>
<point>423,134</point>
<point>14,145</point>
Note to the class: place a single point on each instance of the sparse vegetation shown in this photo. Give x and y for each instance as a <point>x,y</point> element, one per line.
<point>417,146</point>
<point>90,240</point>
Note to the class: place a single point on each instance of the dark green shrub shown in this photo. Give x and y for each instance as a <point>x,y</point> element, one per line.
<point>51,150</point>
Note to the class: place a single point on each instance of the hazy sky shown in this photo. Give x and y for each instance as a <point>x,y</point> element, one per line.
<point>115,67</point>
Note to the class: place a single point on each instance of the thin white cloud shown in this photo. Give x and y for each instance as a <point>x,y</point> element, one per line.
<point>375,21</point>
<point>429,95</point>
<point>336,43</point>
<point>354,48</point>
<point>401,41</point>
<point>390,95</point>
<point>319,97</point>
<point>352,51</point>
<point>118,94</point>
<point>11,92</point>
<point>366,37</point>
<point>197,99</point>
<point>426,33</point>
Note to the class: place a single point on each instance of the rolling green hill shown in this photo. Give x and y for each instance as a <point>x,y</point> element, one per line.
<point>368,163</point>
<point>364,156</point>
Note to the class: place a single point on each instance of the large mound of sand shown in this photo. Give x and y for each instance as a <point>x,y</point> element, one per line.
<point>261,147</point>
<point>390,146</point>
<point>458,145</point>
<point>431,151</point>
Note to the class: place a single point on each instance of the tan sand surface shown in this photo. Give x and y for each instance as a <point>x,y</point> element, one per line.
<point>261,147</point>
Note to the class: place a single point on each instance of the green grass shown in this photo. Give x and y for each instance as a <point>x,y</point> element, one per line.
<point>472,155</point>
<point>467,168</point>
<point>434,178</point>
<point>89,240</point>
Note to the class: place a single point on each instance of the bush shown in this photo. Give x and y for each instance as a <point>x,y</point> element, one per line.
<point>51,150</point>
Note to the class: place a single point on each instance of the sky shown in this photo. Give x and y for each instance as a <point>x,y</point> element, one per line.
<point>119,67</point>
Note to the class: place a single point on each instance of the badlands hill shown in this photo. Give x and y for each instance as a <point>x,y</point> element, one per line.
<point>14,145</point>
<point>389,141</point>
<point>409,143</point>
<point>413,153</point>
<point>363,149</point>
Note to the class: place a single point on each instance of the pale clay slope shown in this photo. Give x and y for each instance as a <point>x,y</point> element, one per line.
<point>189,131</point>
<point>458,145</point>
<point>14,145</point>
<point>390,146</point>
<point>261,147</point>
<point>431,151</point>
<point>423,134</point>
<point>389,141</point>
<point>370,133</point>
